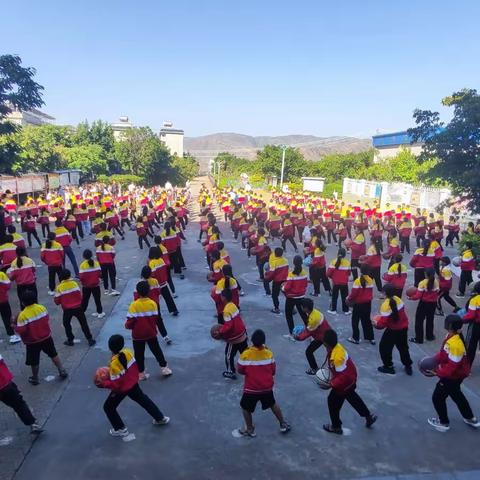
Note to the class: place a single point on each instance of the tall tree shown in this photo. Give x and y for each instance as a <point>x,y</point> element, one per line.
<point>456,144</point>
<point>98,133</point>
<point>89,158</point>
<point>17,90</point>
<point>270,160</point>
<point>141,153</point>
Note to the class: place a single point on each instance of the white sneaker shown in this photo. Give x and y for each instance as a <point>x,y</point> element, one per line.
<point>242,293</point>
<point>94,314</point>
<point>289,337</point>
<point>114,293</point>
<point>332,312</point>
<point>440,427</point>
<point>347,313</point>
<point>107,292</point>
<point>15,339</point>
<point>166,372</point>
<point>51,292</point>
<point>101,315</point>
<point>472,422</point>
<point>164,421</point>
<point>123,432</point>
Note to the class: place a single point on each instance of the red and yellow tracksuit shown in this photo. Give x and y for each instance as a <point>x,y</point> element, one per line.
<point>68,294</point>
<point>258,366</point>
<point>53,256</point>
<point>90,276</point>
<point>233,330</point>
<point>142,318</point>
<point>295,286</point>
<point>24,275</point>
<point>122,379</point>
<point>32,324</point>
<point>316,326</point>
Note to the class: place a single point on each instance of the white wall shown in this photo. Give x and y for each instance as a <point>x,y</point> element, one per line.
<point>389,152</point>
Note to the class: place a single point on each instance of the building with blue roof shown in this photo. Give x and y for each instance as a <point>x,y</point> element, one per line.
<point>387,145</point>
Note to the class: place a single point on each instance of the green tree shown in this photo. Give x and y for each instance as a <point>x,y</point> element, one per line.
<point>39,148</point>
<point>98,133</point>
<point>90,159</point>
<point>141,153</point>
<point>270,162</point>
<point>183,169</point>
<point>17,90</point>
<point>455,145</point>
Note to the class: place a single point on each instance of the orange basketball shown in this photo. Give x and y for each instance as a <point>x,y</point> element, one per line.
<point>102,374</point>
<point>348,243</point>
<point>215,331</point>
<point>411,291</point>
<point>376,320</point>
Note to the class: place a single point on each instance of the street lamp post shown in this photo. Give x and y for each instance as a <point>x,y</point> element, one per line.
<point>284,147</point>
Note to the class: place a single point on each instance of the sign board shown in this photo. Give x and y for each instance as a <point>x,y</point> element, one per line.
<point>38,183</point>
<point>313,184</point>
<point>53,181</point>
<point>8,183</point>
<point>24,184</point>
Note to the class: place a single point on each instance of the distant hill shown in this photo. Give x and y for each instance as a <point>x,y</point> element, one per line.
<point>313,148</point>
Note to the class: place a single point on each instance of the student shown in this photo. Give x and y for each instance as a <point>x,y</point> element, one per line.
<point>142,320</point>
<point>32,324</point>
<point>18,240</point>
<point>262,251</point>
<point>226,282</point>
<point>5,309</point>
<point>154,294</point>
<point>69,296</point>
<point>405,230</point>
<point>453,368</point>
<point>164,253</point>
<point>318,269</point>
<point>445,283</point>
<point>394,320</point>
<point>344,384</point>
<point>22,271</point>
<point>277,274</point>
<point>374,262</point>
<point>358,249</point>
<point>288,233</point>
<point>295,288</point>
<point>473,317</point>
<point>427,294</point>
<point>233,331</point>
<point>63,237</point>
<point>339,271</point>
<point>160,273</point>
<point>422,259</point>
<point>10,395</point>
<point>106,258</point>
<point>467,266</point>
<point>52,255</point>
<point>258,366</point>
<point>396,275</point>
<point>123,382</point>
<point>315,328</point>
<point>361,298</point>
<point>90,274</point>
<point>142,233</point>
<point>44,220</point>
<point>172,243</point>
<point>7,252</point>
<point>29,227</point>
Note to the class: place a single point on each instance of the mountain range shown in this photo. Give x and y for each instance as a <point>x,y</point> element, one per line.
<point>207,147</point>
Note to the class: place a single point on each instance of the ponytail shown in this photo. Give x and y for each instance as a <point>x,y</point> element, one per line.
<point>389,290</point>
<point>297,265</point>
<point>426,246</point>
<point>393,306</point>
<point>20,251</point>
<point>341,254</point>
<point>87,255</point>
<point>430,274</point>
<point>122,358</point>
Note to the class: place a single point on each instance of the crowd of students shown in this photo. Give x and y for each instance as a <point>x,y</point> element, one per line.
<point>96,217</point>
<point>365,237</point>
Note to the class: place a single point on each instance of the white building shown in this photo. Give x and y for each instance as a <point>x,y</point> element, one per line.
<point>120,127</point>
<point>172,138</point>
<point>388,145</point>
<point>29,117</point>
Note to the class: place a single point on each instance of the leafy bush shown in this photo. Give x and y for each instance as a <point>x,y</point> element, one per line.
<point>332,187</point>
<point>123,180</point>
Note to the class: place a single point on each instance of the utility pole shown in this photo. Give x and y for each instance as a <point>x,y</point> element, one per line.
<point>283,147</point>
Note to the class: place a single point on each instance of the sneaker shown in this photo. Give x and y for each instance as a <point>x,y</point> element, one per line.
<point>370,420</point>
<point>114,293</point>
<point>439,313</point>
<point>437,425</point>
<point>285,427</point>
<point>33,381</point>
<point>311,371</point>
<point>167,340</point>
<point>388,370</point>
<point>142,376</point>
<point>94,314</point>
<point>372,342</point>
<point>408,370</point>
<point>175,314</point>
<point>91,342</point>
<point>229,375</point>
<point>246,433</point>
<point>242,293</point>
<point>347,313</point>
<point>123,432</point>
<point>276,311</point>
<point>51,293</point>
<point>458,295</point>
<point>165,371</point>
<point>101,315</point>
<point>352,340</point>
<point>431,339</point>
<point>313,294</point>
<point>472,422</point>
<point>36,429</point>
<point>290,337</point>
<point>414,340</point>
<point>328,428</point>
<point>332,312</point>
<point>182,276</point>
<point>68,343</point>
<point>14,339</point>
<point>164,421</point>
<point>107,292</point>
<point>62,374</point>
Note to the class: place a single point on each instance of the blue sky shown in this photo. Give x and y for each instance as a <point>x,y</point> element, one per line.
<point>259,67</point>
